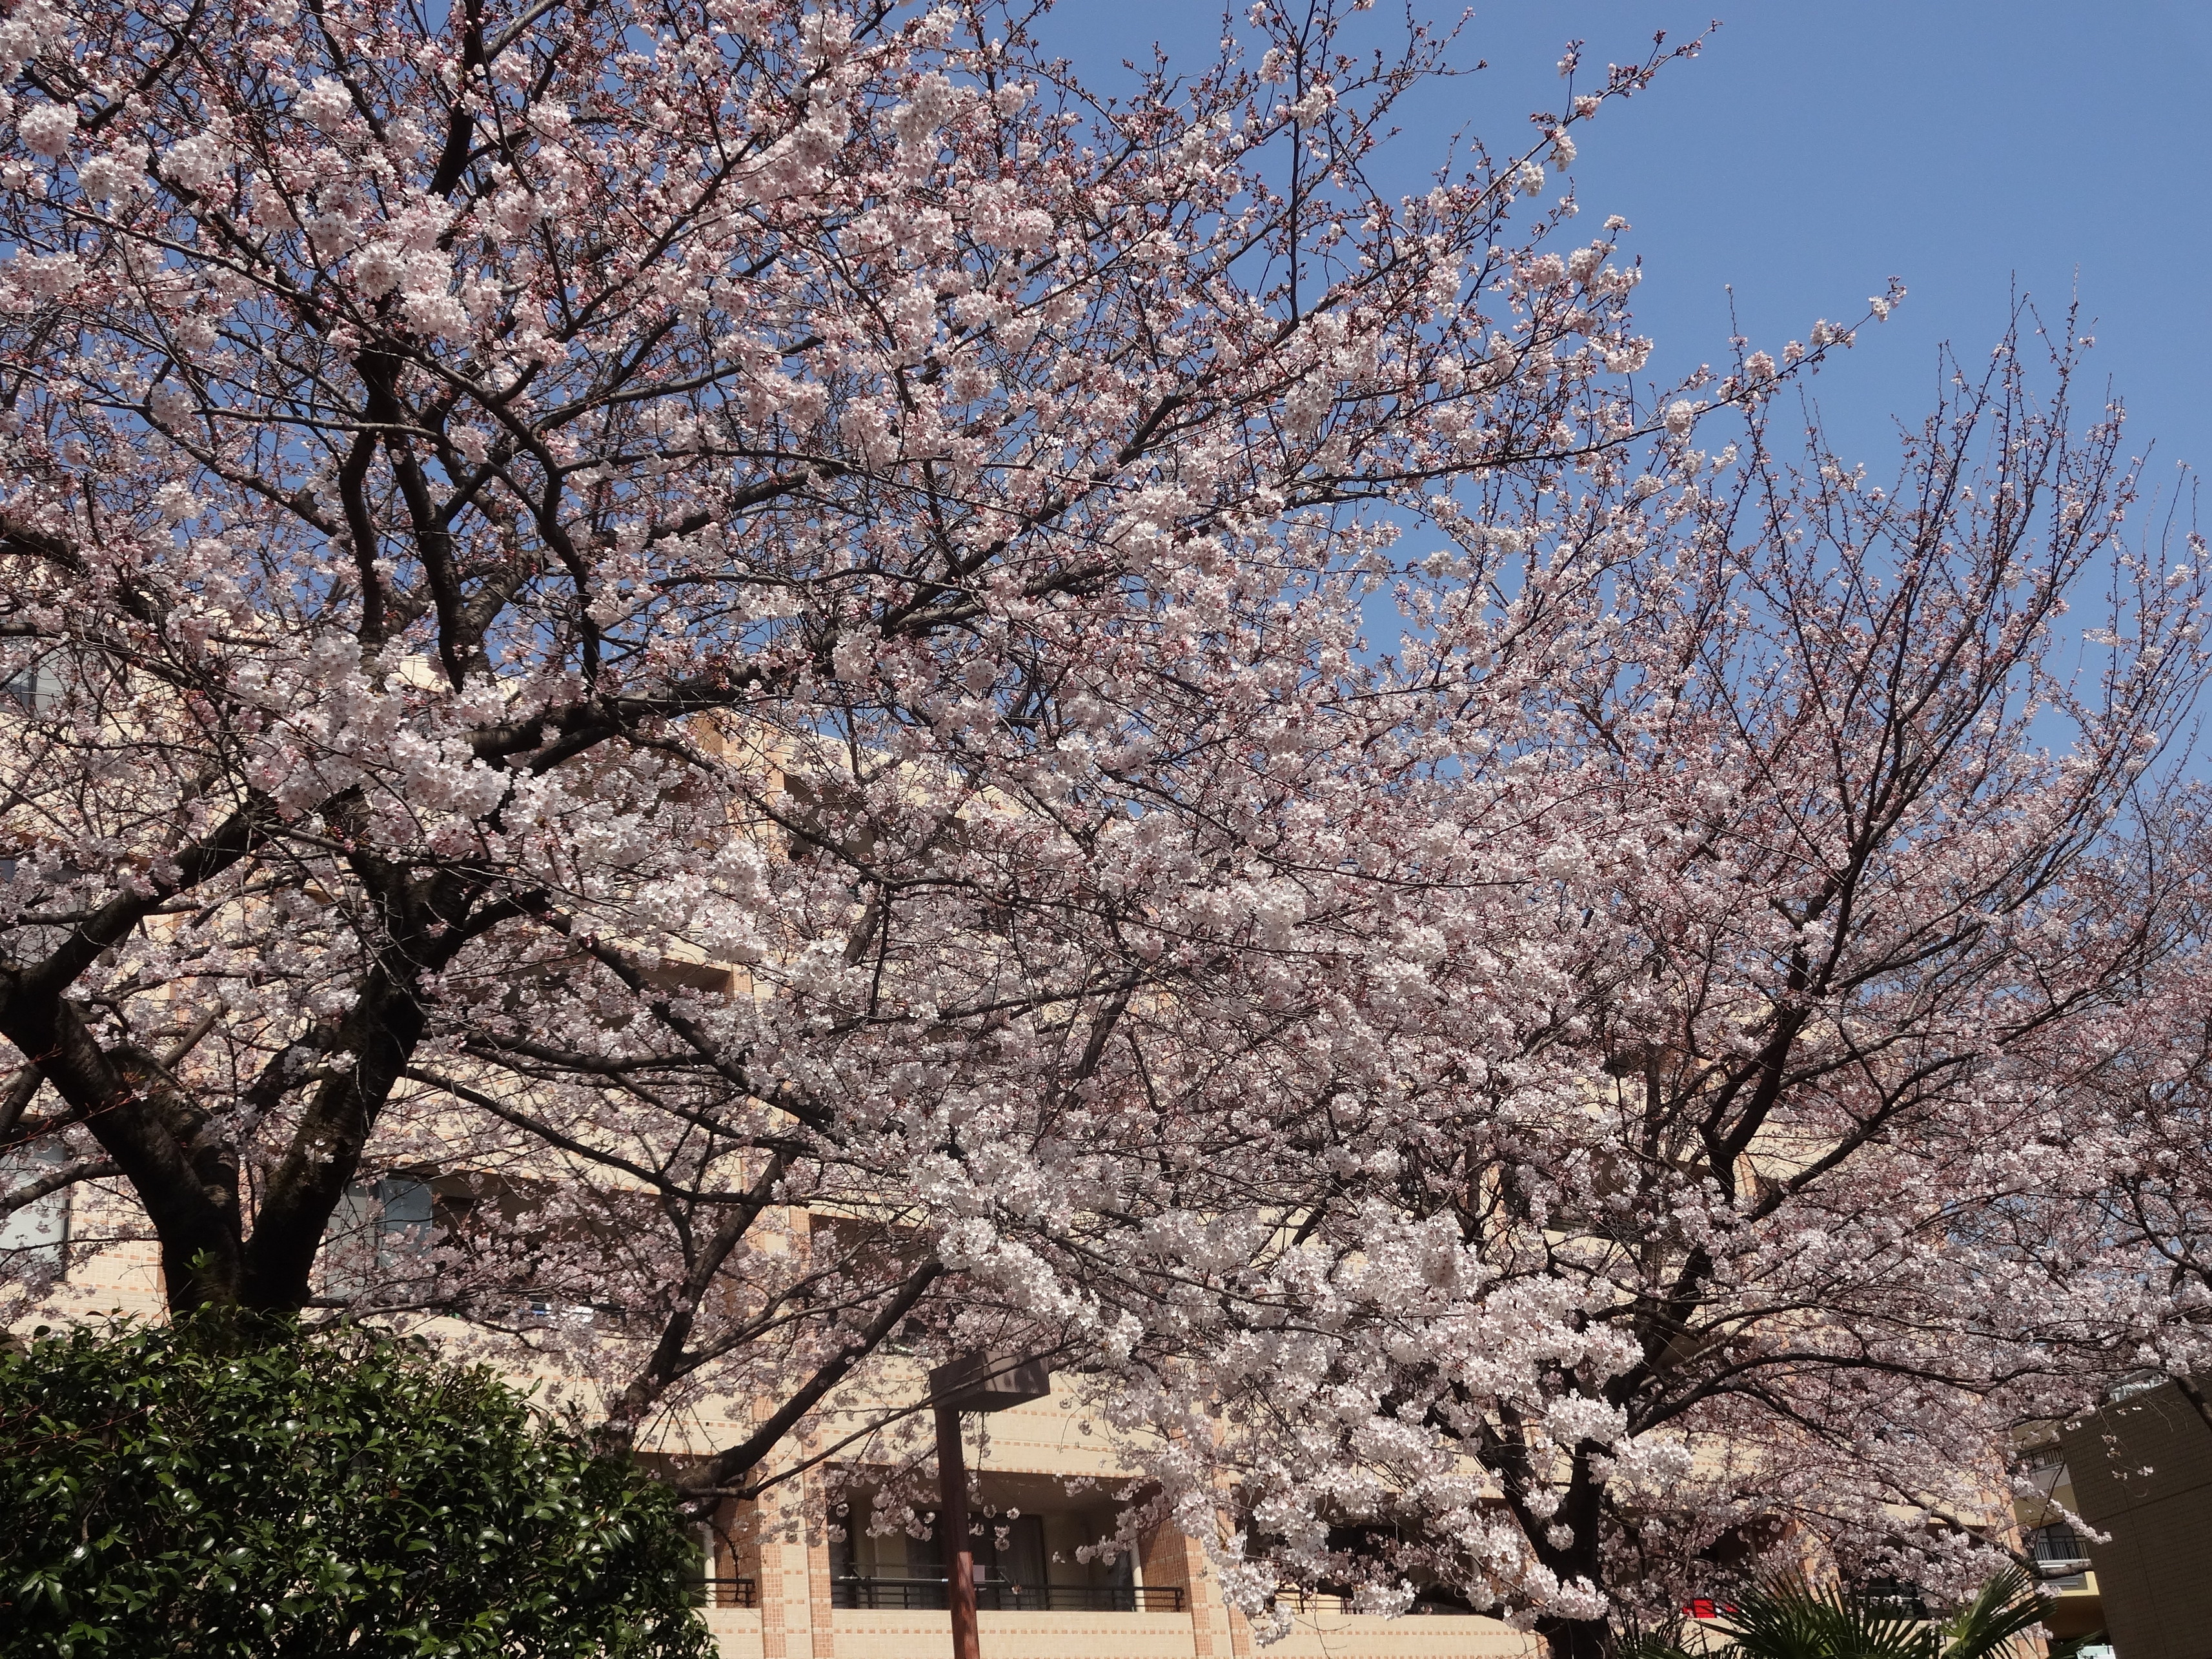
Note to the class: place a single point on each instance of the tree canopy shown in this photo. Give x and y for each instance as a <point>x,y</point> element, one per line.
<point>759,681</point>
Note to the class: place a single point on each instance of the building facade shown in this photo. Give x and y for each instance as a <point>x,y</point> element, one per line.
<point>1044,1485</point>
<point>2050,1540</point>
<point>2140,1472</point>
<point>808,1572</point>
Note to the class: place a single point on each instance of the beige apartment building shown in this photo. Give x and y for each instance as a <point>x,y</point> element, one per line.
<point>805,1575</point>
<point>793,1580</point>
<point>2049,1539</point>
<point>789,1592</point>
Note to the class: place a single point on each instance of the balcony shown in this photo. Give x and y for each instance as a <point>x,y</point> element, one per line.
<point>1289,1598</point>
<point>925,1594</point>
<point>725,1593</point>
<point>2061,1556</point>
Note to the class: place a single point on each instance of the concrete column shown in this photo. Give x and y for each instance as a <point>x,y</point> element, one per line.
<point>784,1572</point>
<point>822,1623</point>
<point>1169,1558</point>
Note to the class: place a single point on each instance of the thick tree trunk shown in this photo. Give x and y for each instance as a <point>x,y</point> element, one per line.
<point>381,1031</point>
<point>1577,1639</point>
<point>158,1135</point>
<point>1580,1558</point>
<point>189,1192</point>
<point>186,1181</point>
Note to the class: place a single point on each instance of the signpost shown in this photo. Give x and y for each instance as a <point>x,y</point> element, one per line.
<point>973,1382</point>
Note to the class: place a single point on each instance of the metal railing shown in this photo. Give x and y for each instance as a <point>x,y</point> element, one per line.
<point>2058,1551</point>
<point>924,1594</point>
<point>1290,1599</point>
<point>725,1593</point>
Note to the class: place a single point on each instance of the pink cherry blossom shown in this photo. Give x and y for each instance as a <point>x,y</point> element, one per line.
<point>835,692</point>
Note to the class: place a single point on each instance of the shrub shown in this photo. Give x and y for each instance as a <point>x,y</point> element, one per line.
<point>216,1487</point>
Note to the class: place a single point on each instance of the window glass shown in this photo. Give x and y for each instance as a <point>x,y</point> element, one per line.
<point>377,1234</point>
<point>34,1239</point>
<point>1011,1549</point>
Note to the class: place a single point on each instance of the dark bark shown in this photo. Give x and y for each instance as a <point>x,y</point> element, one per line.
<point>193,1207</point>
<point>733,1464</point>
<point>325,1155</point>
<point>1577,1639</point>
<point>157,1135</point>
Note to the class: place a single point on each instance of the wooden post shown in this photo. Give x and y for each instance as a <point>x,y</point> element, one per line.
<point>952,1528</point>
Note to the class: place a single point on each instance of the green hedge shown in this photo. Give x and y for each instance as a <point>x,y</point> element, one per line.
<point>219,1489</point>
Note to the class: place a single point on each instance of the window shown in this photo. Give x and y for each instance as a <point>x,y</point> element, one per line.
<point>1893,1596</point>
<point>1025,1555</point>
<point>551,1308</point>
<point>404,1220</point>
<point>35,1238</point>
<point>713,1585</point>
<point>33,689</point>
<point>378,1233</point>
<point>1011,1552</point>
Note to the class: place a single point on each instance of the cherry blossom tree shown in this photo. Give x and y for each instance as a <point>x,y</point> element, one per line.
<point>1710,1144</point>
<point>610,606</point>
<point>748,643</point>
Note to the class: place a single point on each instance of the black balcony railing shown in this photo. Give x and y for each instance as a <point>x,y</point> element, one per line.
<point>2058,1551</point>
<point>1290,1599</point>
<point>725,1593</point>
<point>921,1595</point>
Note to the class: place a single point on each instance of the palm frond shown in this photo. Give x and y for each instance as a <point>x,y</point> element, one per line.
<point>1993,1622</point>
<point>1785,1617</point>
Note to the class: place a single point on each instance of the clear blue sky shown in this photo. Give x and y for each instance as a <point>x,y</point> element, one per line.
<point>1815,149</point>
